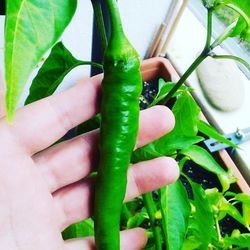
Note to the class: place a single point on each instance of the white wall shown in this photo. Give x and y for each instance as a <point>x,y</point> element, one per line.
<point>141,19</point>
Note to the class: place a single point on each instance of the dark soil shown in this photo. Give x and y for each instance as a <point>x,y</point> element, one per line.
<point>148,93</point>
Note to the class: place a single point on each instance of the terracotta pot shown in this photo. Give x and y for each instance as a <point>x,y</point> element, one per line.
<point>160,67</point>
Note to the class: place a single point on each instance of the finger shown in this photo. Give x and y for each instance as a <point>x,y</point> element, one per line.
<point>72,160</point>
<point>154,123</point>
<point>50,118</point>
<point>76,200</point>
<point>133,239</point>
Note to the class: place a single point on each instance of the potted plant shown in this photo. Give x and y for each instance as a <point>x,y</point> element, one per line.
<point>173,217</point>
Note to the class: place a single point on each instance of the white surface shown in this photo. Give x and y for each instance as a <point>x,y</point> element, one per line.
<point>141,20</point>
<point>187,42</point>
<point>220,80</point>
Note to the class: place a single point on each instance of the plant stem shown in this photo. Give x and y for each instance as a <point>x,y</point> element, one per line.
<point>151,209</point>
<point>209,27</point>
<point>94,64</point>
<point>125,215</point>
<point>239,10</point>
<point>189,71</point>
<point>115,19</point>
<point>218,229</point>
<point>198,60</point>
<point>246,64</point>
<point>100,23</point>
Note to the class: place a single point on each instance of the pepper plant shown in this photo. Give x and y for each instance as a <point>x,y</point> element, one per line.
<point>174,218</point>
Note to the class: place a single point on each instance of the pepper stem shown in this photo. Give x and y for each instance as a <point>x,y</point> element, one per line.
<point>115,19</point>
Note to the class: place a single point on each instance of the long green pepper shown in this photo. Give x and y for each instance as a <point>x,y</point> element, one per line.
<point>121,88</point>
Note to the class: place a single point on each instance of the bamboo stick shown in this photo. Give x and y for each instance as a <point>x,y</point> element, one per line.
<point>162,29</point>
<point>173,28</point>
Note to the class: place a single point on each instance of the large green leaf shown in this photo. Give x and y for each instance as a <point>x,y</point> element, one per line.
<point>31,28</point>
<point>80,229</point>
<point>59,63</point>
<point>166,145</point>
<point>175,210</point>
<point>208,130</point>
<point>203,216</point>
<point>186,112</point>
<point>201,157</point>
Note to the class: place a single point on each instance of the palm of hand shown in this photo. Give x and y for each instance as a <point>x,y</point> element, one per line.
<point>43,189</point>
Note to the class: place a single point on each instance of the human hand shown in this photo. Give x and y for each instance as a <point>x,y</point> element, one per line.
<point>42,188</point>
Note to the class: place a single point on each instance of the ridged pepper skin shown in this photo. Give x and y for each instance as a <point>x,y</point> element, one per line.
<point>121,88</point>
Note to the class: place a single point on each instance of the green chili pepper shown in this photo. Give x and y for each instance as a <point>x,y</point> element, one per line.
<point>121,88</point>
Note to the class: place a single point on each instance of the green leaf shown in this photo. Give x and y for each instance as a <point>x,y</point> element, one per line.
<point>232,211</point>
<point>242,197</point>
<point>203,216</point>
<point>242,27</point>
<point>59,63</point>
<point>213,196</point>
<point>31,28</point>
<point>229,193</point>
<point>89,125</point>
<point>227,179</point>
<point>209,131</point>
<point>191,243</point>
<point>166,145</point>
<point>137,219</point>
<point>201,157</point>
<point>80,229</point>
<point>243,240</point>
<point>175,210</point>
<point>186,112</point>
<point>221,206</point>
<point>245,199</point>
<point>163,90</point>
